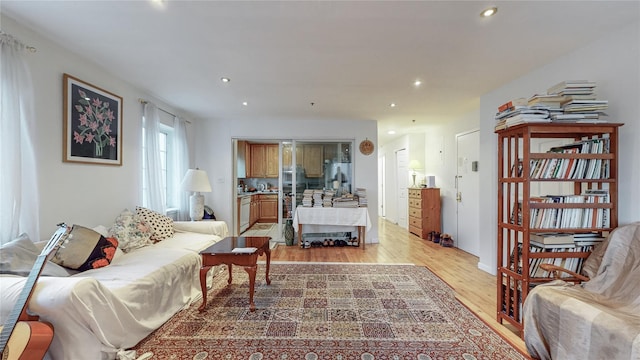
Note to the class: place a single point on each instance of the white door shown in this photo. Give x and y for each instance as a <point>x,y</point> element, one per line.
<point>468,192</point>
<point>402,179</point>
<point>381,181</point>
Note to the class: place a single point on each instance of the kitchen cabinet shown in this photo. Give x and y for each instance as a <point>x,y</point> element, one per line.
<point>286,156</point>
<point>254,210</point>
<point>313,160</point>
<point>264,161</point>
<point>268,208</point>
<point>271,169</point>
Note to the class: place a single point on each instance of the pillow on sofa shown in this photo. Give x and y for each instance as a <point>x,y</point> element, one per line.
<point>86,249</point>
<point>18,257</point>
<point>161,225</point>
<point>131,231</point>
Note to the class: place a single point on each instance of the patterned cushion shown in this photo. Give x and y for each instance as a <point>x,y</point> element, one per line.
<point>86,249</point>
<point>161,225</point>
<point>131,231</point>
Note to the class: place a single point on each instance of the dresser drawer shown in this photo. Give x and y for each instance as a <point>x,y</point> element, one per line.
<point>415,203</point>
<point>415,212</point>
<point>415,222</point>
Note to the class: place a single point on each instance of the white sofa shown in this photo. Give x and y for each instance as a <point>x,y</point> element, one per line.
<point>99,313</point>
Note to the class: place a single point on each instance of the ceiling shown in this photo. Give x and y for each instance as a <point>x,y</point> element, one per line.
<point>322,59</point>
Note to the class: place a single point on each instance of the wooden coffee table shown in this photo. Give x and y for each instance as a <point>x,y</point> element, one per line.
<point>222,252</point>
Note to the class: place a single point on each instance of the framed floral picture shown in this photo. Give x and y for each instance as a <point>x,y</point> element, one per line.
<point>92,124</point>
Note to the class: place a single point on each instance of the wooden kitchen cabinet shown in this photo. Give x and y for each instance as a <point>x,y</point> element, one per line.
<point>286,156</point>
<point>254,210</point>
<point>313,160</point>
<point>264,161</point>
<point>271,157</point>
<point>268,208</point>
<point>424,211</point>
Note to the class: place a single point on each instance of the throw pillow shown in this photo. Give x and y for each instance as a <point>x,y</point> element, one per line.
<point>85,249</point>
<point>131,231</point>
<point>18,257</point>
<point>162,225</point>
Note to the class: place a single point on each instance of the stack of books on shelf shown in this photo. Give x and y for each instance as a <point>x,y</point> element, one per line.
<point>327,199</point>
<point>307,198</point>
<point>566,101</point>
<point>361,193</point>
<point>559,242</point>
<point>573,168</point>
<point>571,218</point>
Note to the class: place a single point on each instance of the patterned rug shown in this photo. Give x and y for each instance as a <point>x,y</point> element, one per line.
<point>329,311</point>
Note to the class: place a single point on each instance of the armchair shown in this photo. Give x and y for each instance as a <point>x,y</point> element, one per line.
<point>597,319</point>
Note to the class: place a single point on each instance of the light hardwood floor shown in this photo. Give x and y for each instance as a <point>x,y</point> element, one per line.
<point>475,288</point>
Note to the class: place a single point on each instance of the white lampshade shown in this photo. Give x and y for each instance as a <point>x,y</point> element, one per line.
<point>414,164</point>
<point>196,180</point>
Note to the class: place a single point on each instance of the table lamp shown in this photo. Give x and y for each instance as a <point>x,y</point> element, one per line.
<point>197,181</point>
<point>413,165</point>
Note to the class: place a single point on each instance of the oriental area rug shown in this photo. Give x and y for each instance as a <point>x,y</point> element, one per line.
<point>329,311</point>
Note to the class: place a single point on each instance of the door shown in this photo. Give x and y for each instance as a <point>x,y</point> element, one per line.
<point>468,192</point>
<point>402,179</point>
<point>381,182</point>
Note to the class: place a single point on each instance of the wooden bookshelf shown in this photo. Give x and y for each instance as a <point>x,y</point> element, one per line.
<point>519,152</point>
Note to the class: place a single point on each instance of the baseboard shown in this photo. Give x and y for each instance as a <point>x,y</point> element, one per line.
<point>488,269</point>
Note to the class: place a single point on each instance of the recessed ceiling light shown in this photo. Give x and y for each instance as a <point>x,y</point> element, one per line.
<point>392,104</point>
<point>225,79</point>
<point>489,12</point>
<point>391,132</point>
<point>245,103</point>
<point>417,83</point>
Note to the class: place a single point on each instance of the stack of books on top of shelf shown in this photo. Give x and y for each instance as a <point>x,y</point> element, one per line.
<point>566,101</point>
<point>362,197</point>
<point>517,111</point>
<point>579,102</point>
<point>327,199</point>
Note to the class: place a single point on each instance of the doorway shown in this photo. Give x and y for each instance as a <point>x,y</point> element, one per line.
<point>468,192</point>
<point>271,176</point>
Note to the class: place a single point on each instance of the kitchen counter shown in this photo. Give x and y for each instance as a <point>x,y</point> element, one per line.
<point>243,194</point>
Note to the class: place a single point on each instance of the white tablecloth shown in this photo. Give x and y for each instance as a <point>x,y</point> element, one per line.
<point>330,217</point>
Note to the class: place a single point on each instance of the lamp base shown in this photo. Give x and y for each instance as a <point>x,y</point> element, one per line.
<point>196,207</point>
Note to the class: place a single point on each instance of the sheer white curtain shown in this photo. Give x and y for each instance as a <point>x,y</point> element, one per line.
<point>18,182</point>
<point>181,165</point>
<point>155,183</point>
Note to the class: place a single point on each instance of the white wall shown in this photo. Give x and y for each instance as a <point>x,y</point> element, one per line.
<point>214,154</point>
<point>614,63</point>
<point>75,193</point>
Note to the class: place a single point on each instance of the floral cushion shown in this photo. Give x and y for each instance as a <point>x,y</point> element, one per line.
<point>131,231</point>
<point>85,249</point>
<point>161,225</point>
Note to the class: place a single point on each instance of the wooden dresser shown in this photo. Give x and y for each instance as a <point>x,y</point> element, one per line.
<point>424,211</point>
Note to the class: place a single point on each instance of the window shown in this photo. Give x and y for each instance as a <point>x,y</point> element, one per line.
<point>166,159</point>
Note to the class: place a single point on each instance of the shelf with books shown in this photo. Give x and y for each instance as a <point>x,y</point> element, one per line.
<point>581,161</point>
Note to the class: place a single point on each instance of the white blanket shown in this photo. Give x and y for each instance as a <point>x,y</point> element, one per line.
<point>98,313</point>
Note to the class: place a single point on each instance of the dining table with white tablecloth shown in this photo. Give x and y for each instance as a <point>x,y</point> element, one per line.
<point>330,219</point>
